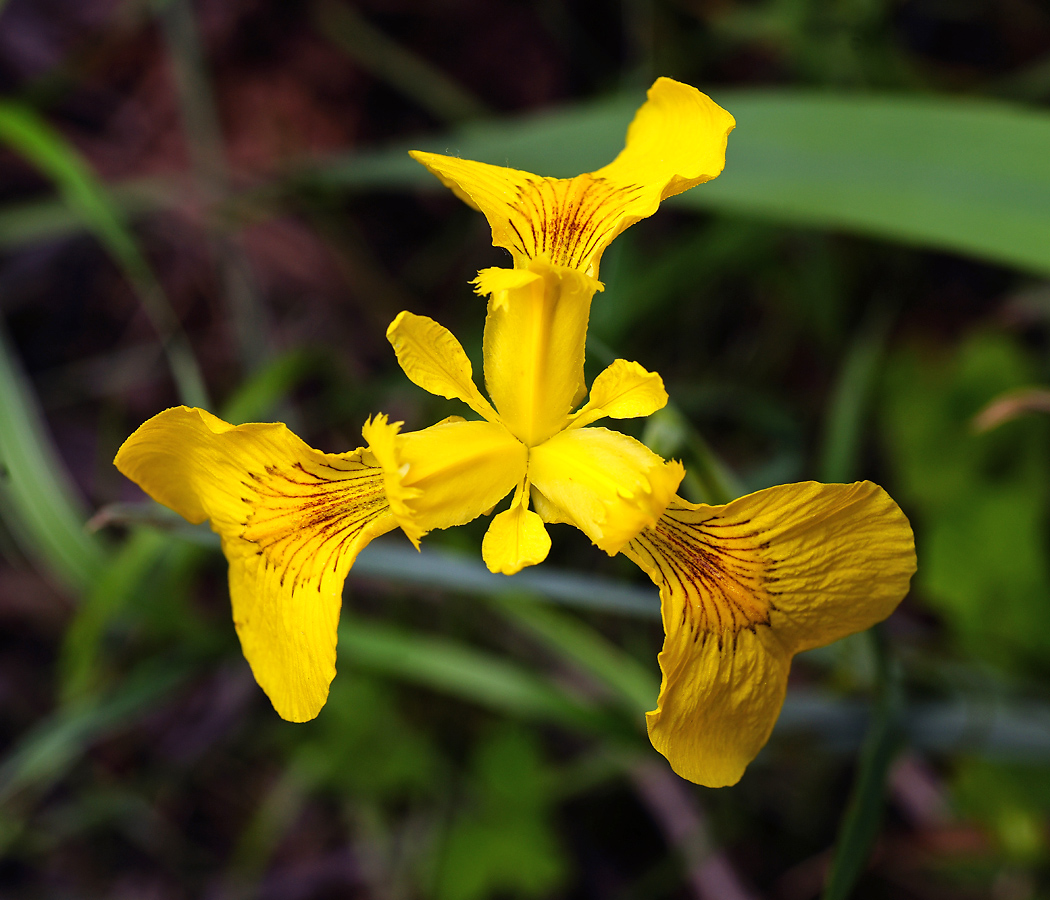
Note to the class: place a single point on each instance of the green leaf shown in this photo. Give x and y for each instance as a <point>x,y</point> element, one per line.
<point>962,175</point>
<point>462,671</point>
<point>37,499</point>
<point>635,685</point>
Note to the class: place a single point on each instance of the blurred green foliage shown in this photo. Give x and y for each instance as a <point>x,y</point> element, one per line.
<point>859,284</point>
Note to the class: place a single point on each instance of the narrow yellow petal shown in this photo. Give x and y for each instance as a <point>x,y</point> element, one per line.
<point>608,485</point>
<point>775,572</point>
<point>445,475</point>
<point>624,390</point>
<point>535,342</point>
<point>432,358</point>
<point>516,538</point>
<point>292,521</point>
<point>677,140</point>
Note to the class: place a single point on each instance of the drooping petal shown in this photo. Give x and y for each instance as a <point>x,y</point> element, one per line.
<point>535,342</point>
<point>516,538</point>
<point>432,358</point>
<point>624,390</point>
<point>292,521</point>
<point>775,572</point>
<point>719,700</point>
<point>607,484</point>
<point>677,140</point>
<point>447,474</point>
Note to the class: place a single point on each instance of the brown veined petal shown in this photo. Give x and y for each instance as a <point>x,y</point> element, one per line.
<point>768,575</point>
<point>677,140</point>
<point>292,520</point>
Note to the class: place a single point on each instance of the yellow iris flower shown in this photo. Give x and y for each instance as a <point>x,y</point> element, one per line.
<point>743,586</point>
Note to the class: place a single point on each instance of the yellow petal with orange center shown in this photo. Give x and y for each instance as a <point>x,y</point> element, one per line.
<point>677,140</point>
<point>745,586</point>
<point>292,521</point>
<point>535,342</point>
<point>445,475</point>
<point>607,484</point>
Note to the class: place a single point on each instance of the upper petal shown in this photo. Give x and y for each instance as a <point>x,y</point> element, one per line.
<point>445,475</point>
<point>292,521</point>
<point>624,390</point>
<point>607,484</point>
<point>431,357</point>
<point>781,570</point>
<point>535,343</point>
<point>677,140</point>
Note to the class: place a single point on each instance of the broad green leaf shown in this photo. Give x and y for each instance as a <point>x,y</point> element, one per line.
<point>963,175</point>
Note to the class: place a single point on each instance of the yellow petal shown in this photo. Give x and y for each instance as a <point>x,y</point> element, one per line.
<point>432,358</point>
<point>515,539</point>
<point>677,140</point>
<point>447,474</point>
<point>624,390</point>
<point>535,342</point>
<point>608,485</point>
<point>719,700</point>
<point>791,567</point>
<point>292,521</point>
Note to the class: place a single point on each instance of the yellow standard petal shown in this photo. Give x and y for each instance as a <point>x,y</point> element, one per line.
<point>445,475</point>
<point>432,358</point>
<point>607,484</point>
<point>292,521</point>
<point>535,342</point>
<point>624,390</point>
<point>677,140</point>
<point>745,586</point>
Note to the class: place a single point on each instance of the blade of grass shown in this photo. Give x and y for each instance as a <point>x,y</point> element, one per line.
<point>470,674</point>
<point>43,756</point>
<point>635,685</point>
<point>851,401</point>
<point>402,69</point>
<point>442,570</point>
<point>37,498</point>
<point>43,147</point>
<point>863,817</point>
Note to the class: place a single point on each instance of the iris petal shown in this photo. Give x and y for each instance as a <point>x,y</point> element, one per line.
<point>607,484</point>
<point>445,475</point>
<point>516,538</point>
<point>292,521</point>
<point>745,586</point>
<point>677,140</point>
<point>624,390</point>
<point>431,357</point>
<point>535,342</point>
